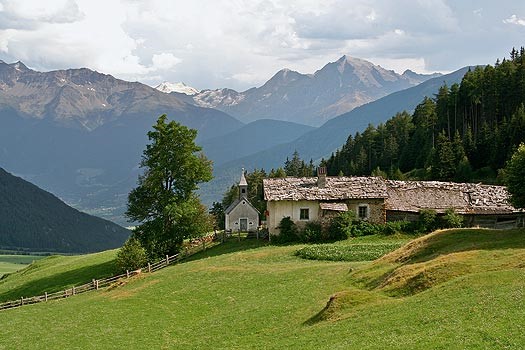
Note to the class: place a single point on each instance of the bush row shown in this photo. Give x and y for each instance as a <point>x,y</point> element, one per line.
<point>344,225</point>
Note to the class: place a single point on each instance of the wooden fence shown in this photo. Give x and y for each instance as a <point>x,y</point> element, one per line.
<point>193,247</point>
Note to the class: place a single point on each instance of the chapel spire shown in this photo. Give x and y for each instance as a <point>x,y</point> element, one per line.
<point>243,186</point>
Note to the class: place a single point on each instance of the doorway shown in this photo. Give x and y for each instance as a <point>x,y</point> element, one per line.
<point>243,224</point>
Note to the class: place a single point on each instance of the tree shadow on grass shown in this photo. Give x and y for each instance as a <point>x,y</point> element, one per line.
<point>60,281</point>
<point>231,245</point>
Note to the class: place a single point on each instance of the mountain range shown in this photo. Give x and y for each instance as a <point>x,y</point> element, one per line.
<point>311,99</point>
<point>321,142</point>
<point>35,220</point>
<point>80,134</point>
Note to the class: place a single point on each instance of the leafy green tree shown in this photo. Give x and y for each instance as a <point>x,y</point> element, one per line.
<point>515,177</point>
<point>131,256</point>
<point>217,212</point>
<point>164,203</point>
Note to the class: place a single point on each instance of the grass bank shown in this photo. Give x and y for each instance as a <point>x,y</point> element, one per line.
<point>248,296</point>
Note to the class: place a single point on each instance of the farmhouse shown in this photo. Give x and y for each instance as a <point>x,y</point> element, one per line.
<point>377,200</point>
<point>241,215</point>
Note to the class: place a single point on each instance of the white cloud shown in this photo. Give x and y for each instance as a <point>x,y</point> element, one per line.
<point>241,43</point>
<point>165,61</point>
<point>514,20</point>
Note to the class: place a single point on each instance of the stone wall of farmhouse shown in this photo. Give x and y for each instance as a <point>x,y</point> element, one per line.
<point>376,209</point>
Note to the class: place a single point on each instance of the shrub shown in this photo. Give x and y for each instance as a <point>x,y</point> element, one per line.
<point>427,221</point>
<point>397,227</point>
<point>340,227</point>
<point>451,219</point>
<point>365,228</point>
<point>288,231</point>
<point>313,232</point>
<point>131,256</point>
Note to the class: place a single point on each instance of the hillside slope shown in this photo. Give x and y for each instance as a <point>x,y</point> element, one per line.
<point>35,220</point>
<point>264,297</point>
<point>255,136</point>
<point>442,256</point>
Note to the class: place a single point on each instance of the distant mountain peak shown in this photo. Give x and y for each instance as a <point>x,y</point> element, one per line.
<point>19,66</point>
<point>417,77</point>
<point>180,87</point>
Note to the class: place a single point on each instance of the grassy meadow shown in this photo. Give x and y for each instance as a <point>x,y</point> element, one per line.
<point>452,289</point>
<point>11,263</point>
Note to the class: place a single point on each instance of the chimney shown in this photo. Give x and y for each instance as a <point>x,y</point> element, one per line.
<point>321,177</point>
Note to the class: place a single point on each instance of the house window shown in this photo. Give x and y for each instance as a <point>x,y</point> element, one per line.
<point>362,212</point>
<point>304,214</point>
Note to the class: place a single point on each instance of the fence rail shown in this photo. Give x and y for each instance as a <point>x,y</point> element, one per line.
<point>96,284</point>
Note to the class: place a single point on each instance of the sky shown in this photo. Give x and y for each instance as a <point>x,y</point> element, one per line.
<point>240,44</point>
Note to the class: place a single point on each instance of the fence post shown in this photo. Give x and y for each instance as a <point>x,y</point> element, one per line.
<point>73,290</point>
<point>21,301</point>
<point>167,260</point>
<point>127,273</point>
<point>96,284</point>
<point>149,267</point>
<point>45,296</point>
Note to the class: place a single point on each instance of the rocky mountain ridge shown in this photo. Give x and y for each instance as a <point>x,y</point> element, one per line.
<point>83,98</point>
<point>311,99</point>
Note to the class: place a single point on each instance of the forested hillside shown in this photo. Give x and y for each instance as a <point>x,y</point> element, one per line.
<point>466,132</point>
<point>35,220</point>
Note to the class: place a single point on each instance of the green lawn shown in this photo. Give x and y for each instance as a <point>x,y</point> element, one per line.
<point>249,295</point>
<point>55,273</point>
<point>12,263</point>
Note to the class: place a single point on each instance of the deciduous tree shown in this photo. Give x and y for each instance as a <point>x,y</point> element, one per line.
<point>164,203</point>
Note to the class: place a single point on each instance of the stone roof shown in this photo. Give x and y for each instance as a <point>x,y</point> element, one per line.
<point>336,188</point>
<point>465,198</point>
<point>409,196</point>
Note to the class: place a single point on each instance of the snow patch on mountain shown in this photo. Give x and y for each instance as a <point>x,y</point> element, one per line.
<point>219,97</point>
<point>182,88</point>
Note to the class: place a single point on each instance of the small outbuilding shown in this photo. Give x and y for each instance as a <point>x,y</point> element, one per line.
<point>241,215</point>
